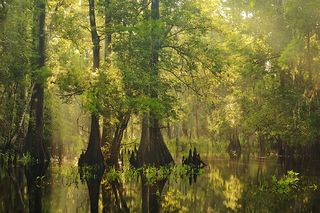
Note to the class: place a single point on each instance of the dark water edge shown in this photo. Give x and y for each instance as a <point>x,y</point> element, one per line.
<point>255,185</point>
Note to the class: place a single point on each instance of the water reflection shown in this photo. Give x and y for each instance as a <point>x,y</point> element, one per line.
<point>12,189</point>
<point>113,199</point>
<point>224,186</point>
<point>35,175</point>
<point>151,195</point>
<point>93,177</point>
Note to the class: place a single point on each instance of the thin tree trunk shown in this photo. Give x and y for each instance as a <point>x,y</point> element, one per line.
<point>169,130</point>
<point>116,142</point>
<point>113,134</point>
<point>107,132</point>
<point>234,147</point>
<point>197,120</point>
<point>20,124</point>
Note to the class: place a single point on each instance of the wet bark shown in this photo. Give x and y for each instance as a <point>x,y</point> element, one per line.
<point>34,143</point>
<point>93,154</point>
<point>152,149</point>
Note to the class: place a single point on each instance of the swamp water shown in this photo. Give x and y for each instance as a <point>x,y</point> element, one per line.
<point>255,185</point>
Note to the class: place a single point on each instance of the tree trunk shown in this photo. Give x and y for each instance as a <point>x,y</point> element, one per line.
<point>21,117</point>
<point>108,38</point>
<point>107,129</point>
<point>107,132</point>
<point>169,131</point>
<point>234,147</point>
<point>197,119</point>
<point>281,148</point>
<point>116,142</point>
<point>262,145</point>
<point>34,139</point>
<point>152,149</point>
<point>93,154</point>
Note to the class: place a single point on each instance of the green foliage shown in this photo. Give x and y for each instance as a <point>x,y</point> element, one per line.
<point>41,75</point>
<point>287,184</point>
<point>25,159</point>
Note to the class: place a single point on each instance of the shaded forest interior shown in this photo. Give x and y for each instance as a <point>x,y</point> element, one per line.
<point>92,80</point>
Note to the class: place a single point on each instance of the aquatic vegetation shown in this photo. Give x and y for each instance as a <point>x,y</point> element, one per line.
<point>150,173</point>
<point>25,159</point>
<point>15,159</point>
<point>286,184</point>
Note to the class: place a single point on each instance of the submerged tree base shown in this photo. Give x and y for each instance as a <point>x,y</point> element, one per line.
<point>152,149</point>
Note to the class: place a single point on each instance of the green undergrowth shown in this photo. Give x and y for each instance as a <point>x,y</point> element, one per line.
<point>9,159</point>
<point>150,174</point>
<point>287,186</point>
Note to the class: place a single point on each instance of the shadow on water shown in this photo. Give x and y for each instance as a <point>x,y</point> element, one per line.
<point>113,199</point>
<point>151,195</point>
<point>92,176</point>
<point>12,188</point>
<point>35,175</point>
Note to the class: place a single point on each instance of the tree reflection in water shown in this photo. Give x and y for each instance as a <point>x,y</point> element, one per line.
<point>35,177</point>
<point>151,194</point>
<point>93,177</point>
<point>224,186</point>
<point>113,199</point>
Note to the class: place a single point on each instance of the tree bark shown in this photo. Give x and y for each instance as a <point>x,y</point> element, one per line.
<point>262,145</point>
<point>93,154</point>
<point>152,149</point>
<point>169,130</point>
<point>112,134</point>
<point>116,142</point>
<point>34,139</point>
<point>22,118</point>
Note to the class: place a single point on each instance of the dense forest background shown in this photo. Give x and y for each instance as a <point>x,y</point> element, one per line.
<point>234,76</point>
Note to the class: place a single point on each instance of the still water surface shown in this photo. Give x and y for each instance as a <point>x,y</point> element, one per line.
<point>223,186</point>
